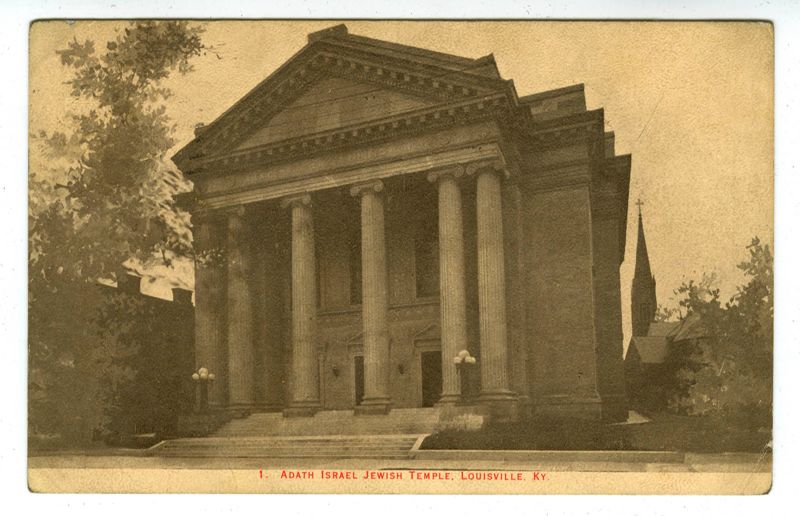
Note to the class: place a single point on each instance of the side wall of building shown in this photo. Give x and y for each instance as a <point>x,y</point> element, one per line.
<point>558,249</point>
<point>574,204</point>
<point>608,224</point>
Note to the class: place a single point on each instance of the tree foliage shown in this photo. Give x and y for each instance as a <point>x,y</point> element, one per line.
<point>117,199</point>
<point>728,370</point>
<point>104,194</point>
<point>666,314</point>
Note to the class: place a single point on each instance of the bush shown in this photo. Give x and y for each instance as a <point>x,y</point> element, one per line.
<point>536,434</point>
<point>738,431</point>
<point>718,433</point>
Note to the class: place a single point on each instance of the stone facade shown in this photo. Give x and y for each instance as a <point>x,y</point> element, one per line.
<point>380,209</point>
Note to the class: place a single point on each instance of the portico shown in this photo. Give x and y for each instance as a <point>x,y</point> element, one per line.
<point>367,208</point>
<point>369,189</point>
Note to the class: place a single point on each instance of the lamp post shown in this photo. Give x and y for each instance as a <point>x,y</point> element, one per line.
<point>203,380</point>
<point>462,360</point>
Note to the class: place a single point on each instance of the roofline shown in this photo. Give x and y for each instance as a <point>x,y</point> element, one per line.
<point>339,34</point>
<point>252,90</point>
<point>551,93</point>
<point>342,34</point>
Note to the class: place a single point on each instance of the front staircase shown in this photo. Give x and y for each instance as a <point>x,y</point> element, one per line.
<point>331,434</point>
<point>330,446</point>
<point>333,422</point>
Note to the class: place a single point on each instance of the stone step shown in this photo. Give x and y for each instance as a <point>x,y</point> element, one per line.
<point>317,422</point>
<point>287,430</point>
<point>243,452</point>
<point>354,446</point>
<point>234,435</point>
<point>334,422</point>
<point>363,419</point>
<point>289,452</point>
<point>255,428</point>
<point>294,455</point>
<point>347,445</point>
<point>308,438</point>
<point>396,414</point>
<point>310,447</point>
<point>372,446</point>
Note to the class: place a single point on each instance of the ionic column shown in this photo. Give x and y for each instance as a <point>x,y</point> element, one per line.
<point>209,343</point>
<point>305,373</point>
<point>495,390</point>
<point>375,303</point>
<point>452,304</point>
<point>240,313</point>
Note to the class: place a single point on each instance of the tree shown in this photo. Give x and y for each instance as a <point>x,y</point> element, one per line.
<point>107,197</point>
<point>666,314</point>
<point>729,371</point>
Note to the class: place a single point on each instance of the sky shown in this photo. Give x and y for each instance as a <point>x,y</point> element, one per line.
<point>691,102</point>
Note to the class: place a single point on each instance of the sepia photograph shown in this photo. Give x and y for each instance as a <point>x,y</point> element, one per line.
<point>362,256</point>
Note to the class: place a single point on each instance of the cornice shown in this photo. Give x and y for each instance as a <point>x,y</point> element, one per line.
<point>559,177</point>
<point>352,175</point>
<point>410,123</point>
<point>568,130</point>
<point>620,165</point>
<point>432,75</point>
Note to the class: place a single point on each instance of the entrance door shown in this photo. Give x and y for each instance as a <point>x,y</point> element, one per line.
<point>358,379</point>
<point>431,365</point>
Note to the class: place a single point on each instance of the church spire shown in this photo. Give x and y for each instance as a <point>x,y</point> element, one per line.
<point>643,289</point>
<point>642,259</point>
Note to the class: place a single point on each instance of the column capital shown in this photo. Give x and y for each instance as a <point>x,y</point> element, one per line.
<point>495,166</point>
<point>366,188</point>
<point>294,200</point>
<point>206,215</point>
<point>236,211</point>
<point>455,172</point>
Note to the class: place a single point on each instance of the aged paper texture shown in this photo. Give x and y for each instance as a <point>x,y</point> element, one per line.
<point>400,257</point>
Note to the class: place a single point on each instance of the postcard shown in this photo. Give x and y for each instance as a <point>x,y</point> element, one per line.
<point>400,257</point>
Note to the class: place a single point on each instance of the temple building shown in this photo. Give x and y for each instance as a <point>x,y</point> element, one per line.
<point>380,210</point>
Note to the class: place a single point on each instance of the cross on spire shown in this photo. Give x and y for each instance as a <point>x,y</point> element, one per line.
<point>639,204</point>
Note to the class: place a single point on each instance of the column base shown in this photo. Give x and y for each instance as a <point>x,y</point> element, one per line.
<point>373,407</point>
<point>268,407</point>
<point>449,400</point>
<point>302,409</point>
<point>500,405</point>
<point>237,411</point>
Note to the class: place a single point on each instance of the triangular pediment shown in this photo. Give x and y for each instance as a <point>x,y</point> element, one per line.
<point>333,103</point>
<point>340,81</point>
